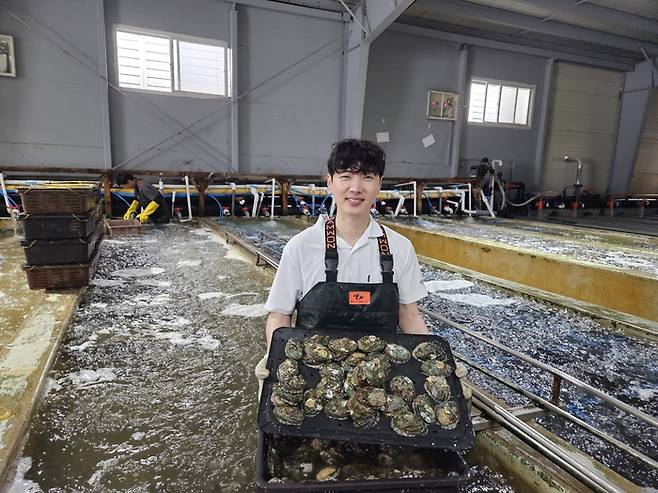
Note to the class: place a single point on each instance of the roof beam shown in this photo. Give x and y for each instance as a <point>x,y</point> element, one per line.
<point>291,9</point>
<point>530,23</point>
<point>382,14</point>
<point>599,13</point>
<point>614,63</point>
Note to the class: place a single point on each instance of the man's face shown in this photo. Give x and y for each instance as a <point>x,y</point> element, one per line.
<point>130,184</point>
<point>354,193</point>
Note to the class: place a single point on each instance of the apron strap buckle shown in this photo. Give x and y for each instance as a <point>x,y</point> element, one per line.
<point>386,262</point>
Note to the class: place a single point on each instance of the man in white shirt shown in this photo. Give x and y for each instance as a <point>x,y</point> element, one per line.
<point>348,271</point>
<point>356,168</point>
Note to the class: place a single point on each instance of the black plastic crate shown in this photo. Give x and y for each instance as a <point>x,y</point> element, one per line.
<point>462,437</point>
<point>455,467</point>
<point>61,226</point>
<point>69,251</point>
<point>61,276</point>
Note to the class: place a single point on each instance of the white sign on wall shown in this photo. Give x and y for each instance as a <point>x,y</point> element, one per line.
<point>7,60</point>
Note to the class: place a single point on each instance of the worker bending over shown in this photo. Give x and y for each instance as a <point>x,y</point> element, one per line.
<point>146,196</point>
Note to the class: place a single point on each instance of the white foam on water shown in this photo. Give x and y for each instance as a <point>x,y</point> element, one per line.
<point>138,435</point>
<point>82,346</point>
<point>251,311</point>
<point>479,300</point>
<point>85,377</point>
<point>20,484</point>
<point>188,263</point>
<point>434,286</point>
<point>177,322</point>
<point>106,283</point>
<point>153,271</point>
<point>201,232</point>
<point>208,342</point>
<point>210,295</point>
<point>646,395</point>
<point>153,283</point>
<point>110,241</point>
<point>50,385</point>
<point>145,299</point>
<point>175,338</point>
<point>98,305</point>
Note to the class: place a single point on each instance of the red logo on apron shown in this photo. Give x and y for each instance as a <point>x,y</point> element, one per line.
<point>359,297</point>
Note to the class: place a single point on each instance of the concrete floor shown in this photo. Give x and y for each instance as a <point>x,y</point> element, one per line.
<point>32,324</point>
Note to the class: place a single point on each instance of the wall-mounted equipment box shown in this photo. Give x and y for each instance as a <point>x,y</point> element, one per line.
<point>442,105</point>
<point>7,60</point>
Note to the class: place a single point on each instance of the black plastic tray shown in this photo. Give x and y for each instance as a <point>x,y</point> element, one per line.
<point>450,461</point>
<point>68,251</point>
<point>60,226</point>
<point>462,437</point>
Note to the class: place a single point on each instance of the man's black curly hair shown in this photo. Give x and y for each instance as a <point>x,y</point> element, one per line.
<point>123,178</point>
<point>357,156</point>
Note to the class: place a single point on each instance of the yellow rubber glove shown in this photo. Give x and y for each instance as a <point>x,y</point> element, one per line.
<point>150,209</point>
<point>131,210</point>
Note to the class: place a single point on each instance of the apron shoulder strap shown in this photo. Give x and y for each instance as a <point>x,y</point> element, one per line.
<point>385,257</point>
<point>330,251</point>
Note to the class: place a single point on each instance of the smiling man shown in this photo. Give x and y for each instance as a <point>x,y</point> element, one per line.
<point>349,272</point>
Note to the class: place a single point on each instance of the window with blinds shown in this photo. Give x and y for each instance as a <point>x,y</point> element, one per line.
<point>498,103</point>
<point>168,63</point>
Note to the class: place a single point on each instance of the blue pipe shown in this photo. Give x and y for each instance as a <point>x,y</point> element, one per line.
<point>221,209</point>
<point>10,199</point>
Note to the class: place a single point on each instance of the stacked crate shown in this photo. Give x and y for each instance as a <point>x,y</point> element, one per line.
<point>63,227</point>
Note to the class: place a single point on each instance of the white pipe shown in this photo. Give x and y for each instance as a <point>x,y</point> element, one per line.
<point>161,186</point>
<point>410,183</point>
<point>173,201</point>
<point>4,192</point>
<point>399,206</point>
<point>486,203</point>
<point>254,209</point>
<point>189,202</point>
<point>312,185</point>
<point>272,206</point>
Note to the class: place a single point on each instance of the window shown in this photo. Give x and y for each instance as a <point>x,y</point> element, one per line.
<point>171,63</point>
<point>499,103</point>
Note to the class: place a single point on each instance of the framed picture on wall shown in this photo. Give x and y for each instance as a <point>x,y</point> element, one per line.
<point>442,105</point>
<point>7,60</point>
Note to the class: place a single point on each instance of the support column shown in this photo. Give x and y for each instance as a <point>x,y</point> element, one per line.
<point>420,188</point>
<point>234,90</point>
<point>455,145</point>
<point>285,190</point>
<point>201,185</point>
<point>107,194</point>
<point>543,121</point>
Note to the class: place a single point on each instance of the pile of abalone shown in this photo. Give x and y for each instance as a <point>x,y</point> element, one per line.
<point>356,383</point>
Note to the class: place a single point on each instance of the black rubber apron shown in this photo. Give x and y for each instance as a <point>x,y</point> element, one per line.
<point>371,308</point>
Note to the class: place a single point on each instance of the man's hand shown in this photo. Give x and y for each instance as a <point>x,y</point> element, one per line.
<point>261,373</point>
<point>460,372</point>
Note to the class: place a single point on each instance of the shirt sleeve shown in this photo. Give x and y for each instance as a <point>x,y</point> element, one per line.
<point>288,283</point>
<point>410,286</point>
<point>148,190</point>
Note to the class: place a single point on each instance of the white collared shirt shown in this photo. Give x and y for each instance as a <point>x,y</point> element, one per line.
<point>302,265</point>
